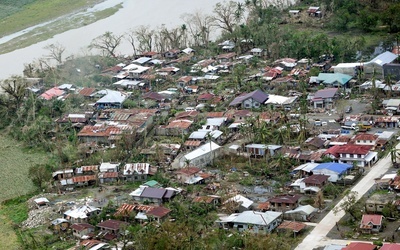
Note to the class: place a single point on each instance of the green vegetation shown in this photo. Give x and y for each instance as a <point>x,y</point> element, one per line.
<point>20,14</point>
<point>43,33</point>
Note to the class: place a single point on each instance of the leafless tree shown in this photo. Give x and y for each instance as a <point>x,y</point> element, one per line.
<point>130,36</point>
<point>107,43</point>
<point>166,39</point>
<point>199,26</point>
<point>145,38</point>
<point>55,52</point>
<point>227,15</point>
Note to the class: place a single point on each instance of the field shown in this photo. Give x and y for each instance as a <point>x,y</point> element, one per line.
<point>14,181</point>
<point>17,15</point>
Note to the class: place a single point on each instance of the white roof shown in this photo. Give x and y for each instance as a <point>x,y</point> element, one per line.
<point>188,50</point>
<point>193,180</point>
<point>281,100</point>
<point>105,166</point>
<point>216,133</point>
<point>370,156</point>
<point>65,86</point>
<point>256,50</point>
<point>66,182</point>
<point>234,147</point>
<point>112,97</point>
<point>76,115</point>
<point>236,124</point>
<point>255,218</point>
<point>348,65</point>
<point>137,192</point>
<point>385,135</point>
<point>142,60</point>
<point>198,134</point>
<point>80,212</point>
<point>297,183</point>
<point>141,216</point>
<point>125,82</point>
<point>136,168</point>
<point>41,200</point>
<point>307,209</point>
<point>385,57</point>
<point>307,167</point>
<point>242,200</point>
<point>388,176</point>
<point>393,103</point>
<point>215,121</point>
<point>202,150</point>
<point>65,171</point>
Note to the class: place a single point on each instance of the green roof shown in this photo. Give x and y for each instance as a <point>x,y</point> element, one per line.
<point>152,183</point>
<point>331,78</point>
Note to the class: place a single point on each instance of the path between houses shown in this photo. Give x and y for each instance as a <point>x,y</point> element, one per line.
<point>317,236</point>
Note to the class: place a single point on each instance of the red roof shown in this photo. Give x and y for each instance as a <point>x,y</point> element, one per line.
<point>316,179</point>
<point>292,225</point>
<point>359,246</point>
<point>51,93</point>
<point>185,79</point>
<point>215,114</point>
<point>365,137</point>
<point>375,219</point>
<point>97,131</point>
<point>159,212</point>
<point>112,224</point>
<point>226,56</point>
<point>108,175</point>
<point>84,178</point>
<point>348,149</point>
<point>390,246</point>
<point>290,199</point>
<point>192,143</point>
<point>187,114</point>
<point>87,91</point>
<point>183,124</point>
<point>205,97</point>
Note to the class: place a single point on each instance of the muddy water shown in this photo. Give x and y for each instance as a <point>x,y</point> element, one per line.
<point>133,14</point>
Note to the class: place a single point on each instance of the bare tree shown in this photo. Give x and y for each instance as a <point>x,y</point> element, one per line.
<point>131,38</point>
<point>145,37</point>
<point>107,43</point>
<point>227,15</point>
<point>55,52</point>
<point>199,26</point>
<point>15,87</point>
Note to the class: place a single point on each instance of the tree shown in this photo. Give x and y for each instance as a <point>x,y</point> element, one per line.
<point>227,15</point>
<point>349,205</point>
<point>145,37</point>
<point>39,175</point>
<point>15,88</point>
<point>199,26</point>
<point>55,52</point>
<point>107,43</point>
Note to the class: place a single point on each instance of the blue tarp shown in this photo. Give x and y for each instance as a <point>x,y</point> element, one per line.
<point>336,167</point>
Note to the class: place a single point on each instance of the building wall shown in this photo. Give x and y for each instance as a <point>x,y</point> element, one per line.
<point>250,103</point>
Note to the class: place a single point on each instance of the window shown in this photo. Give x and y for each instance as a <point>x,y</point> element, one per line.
<point>247,105</point>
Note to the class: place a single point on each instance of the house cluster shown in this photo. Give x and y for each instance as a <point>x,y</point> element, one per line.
<point>282,213</point>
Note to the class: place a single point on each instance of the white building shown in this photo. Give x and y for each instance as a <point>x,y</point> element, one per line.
<point>201,156</point>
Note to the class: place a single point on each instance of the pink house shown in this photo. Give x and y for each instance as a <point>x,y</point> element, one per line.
<point>52,93</point>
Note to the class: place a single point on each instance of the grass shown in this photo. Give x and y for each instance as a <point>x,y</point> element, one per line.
<point>48,31</point>
<point>16,15</point>
<point>14,165</point>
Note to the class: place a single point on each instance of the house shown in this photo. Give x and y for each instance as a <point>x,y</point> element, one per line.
<point>371,223</point>
<point>63,174</point>
<point>144,212</point>
<point>284,203</point>
<point>87,92</point>
<point>206,97</point>
<point>359,155</point>
<point>153,96</point>
<point>377,202</point>
<point>93,245</point>
<point>212,200</point>
<point>377,63</point>
<point>243,203</point>
<point>107,177</point>
<point>314,11</point>
<point>316,180</point>
<point>236,115</point>
<point>278,101</point>
<point>228,57</point>
<point>141,60</point>
<point>360,246</point>
<point>110,229</point>
<point>301,213</point>
<point>304,169</point>
<point>250,100</point>
<point>111,99</point>
<point>392,105</point>
<point>109,167</point>
<point>154,195</point>
<point>158,214</point>
<point>251,221</point>
<point>177,127</point>
<point>261,150</point>
<point>41,202</point>
<point>335,171</point>
<point>136,171</point>
<point>314,143</point>
<point>365,139</point>
<point>291,227</point>
<point>129,84</point>
<point>85,180</point>
<point>392,70</point>
<point>325,98</point>
<point>52,93</point>
<point>336,80</point>
<point>187,174</point>
<point>202,156</point>
<point>76,120</point>
<point>60,225</point>
<point>390,246</point>
<point>286,63</point>
<point>172,54</point>
<point>82,230</point>
<point>184,81</point>
<point>188,115</point>
<point>101,133</point>
<point>81,214</point>
<point>257,52</point>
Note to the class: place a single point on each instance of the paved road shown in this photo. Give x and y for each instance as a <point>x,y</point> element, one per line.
<point>317,236</point>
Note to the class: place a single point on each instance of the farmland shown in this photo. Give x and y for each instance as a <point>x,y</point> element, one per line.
<point>16,15</point>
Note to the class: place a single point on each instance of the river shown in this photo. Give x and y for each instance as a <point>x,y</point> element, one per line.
<point>134,13</point>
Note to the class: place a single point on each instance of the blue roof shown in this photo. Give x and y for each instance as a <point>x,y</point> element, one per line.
<point>330,78</point>
<point>333,166</point>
